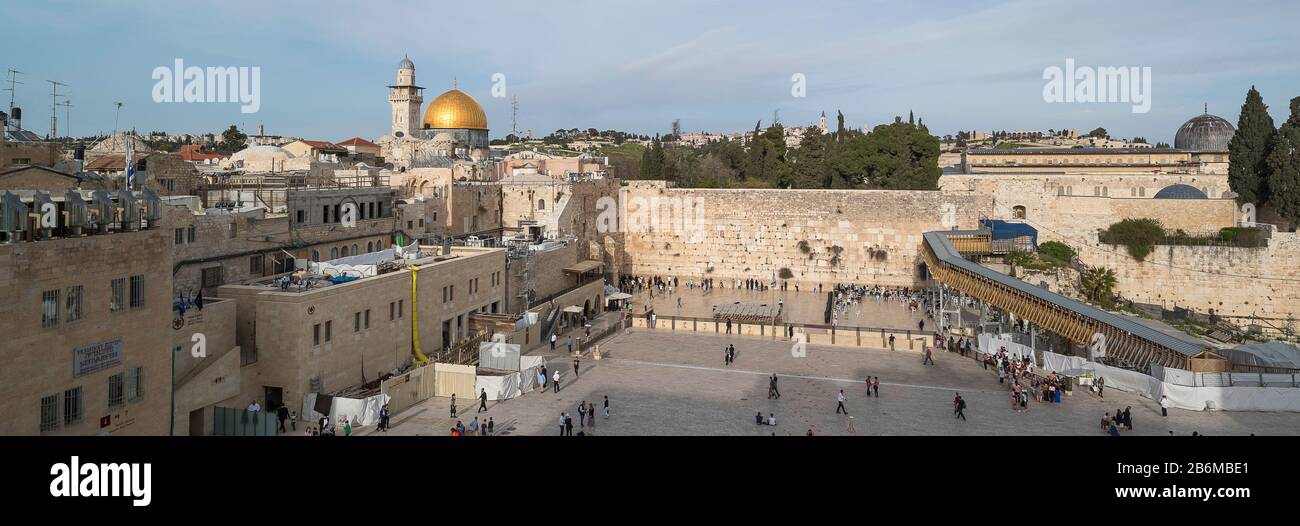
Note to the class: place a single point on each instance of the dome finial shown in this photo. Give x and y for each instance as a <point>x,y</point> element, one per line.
<point>1207,108</point>
<point>453,83</point>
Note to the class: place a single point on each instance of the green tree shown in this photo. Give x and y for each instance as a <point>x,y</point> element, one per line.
<point>812,162</point>
<point>1249,149</point>
<point>1098,285</point>
<point>652,161</point>
<point>232,140</point>
<point>900,156</point>
<point>1099,133</point>
<point>1283,166</point>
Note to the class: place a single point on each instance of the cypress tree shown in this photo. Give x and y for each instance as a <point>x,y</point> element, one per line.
<point>1283,165</point>
<point>1248,149</point>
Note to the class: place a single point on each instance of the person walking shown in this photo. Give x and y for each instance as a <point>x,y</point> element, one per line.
<point>482,400</point>
<point>1128,418</point>
<point>568,425</point>
<point>1164,406</point>
<point>570,344</point>
<point>891,342</point>
<point>453,405</point>
<point>929,356</point>
<point>591,415</point>
<point>552,342</point>
<point>383,419</point>
<point>726,355</point>
<point>491,426</point>
<point>959,407</point>
<point>282,414</point>
<point>575,367</point>
<point>868,382</point>
<point>562,415</point>
<point>875,385</point>
<point>607,406</point>
<point>839,407</point>
<point>556,381</point>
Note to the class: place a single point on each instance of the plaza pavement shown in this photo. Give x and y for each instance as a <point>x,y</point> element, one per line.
<point>799,307</point>
<point>665,383</point>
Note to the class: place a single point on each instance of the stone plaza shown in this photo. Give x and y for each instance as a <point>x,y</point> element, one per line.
<point>664,383</point>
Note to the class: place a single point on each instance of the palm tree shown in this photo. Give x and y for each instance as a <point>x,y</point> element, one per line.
<point>1098,284</point>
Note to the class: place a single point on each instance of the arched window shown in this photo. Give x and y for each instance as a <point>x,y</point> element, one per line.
<point>370,247</point>
<point>334,253</point>
<point>1018,212</point>
<point>541,204</point>
<point>354,249</point>
<point>315,255</point>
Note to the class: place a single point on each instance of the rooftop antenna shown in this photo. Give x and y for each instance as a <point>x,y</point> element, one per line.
<point>1207,108</point>
<point>116,116</point>
<point>67,115</point>
<point>13,81</point>
<point>514,115</point>
<point>54,107</point>
<point>776,117</point>
<point>453,83</point>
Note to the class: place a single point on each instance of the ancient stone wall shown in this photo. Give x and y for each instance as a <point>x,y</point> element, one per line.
<point>820,236</point>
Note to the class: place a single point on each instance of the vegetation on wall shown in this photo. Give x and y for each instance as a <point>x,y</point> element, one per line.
<point>1140,236</point>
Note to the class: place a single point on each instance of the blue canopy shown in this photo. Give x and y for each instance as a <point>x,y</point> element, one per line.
<point>1004,230</point>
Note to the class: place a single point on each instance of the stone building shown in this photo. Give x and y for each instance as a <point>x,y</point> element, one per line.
<point>335,336</point>
<point>87,323</point>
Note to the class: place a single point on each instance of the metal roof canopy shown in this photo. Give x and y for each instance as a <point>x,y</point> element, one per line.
<point>584,267</point>
<point>944,250</point>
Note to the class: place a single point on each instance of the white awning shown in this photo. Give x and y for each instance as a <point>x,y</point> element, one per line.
<point>618,296</point>
<point>573,308</point>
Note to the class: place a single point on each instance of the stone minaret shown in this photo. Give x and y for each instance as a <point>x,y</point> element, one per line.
<point>406,98</point>
<point>821,123</point>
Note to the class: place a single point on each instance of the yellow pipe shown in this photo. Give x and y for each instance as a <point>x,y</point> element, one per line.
<point>420,358</point>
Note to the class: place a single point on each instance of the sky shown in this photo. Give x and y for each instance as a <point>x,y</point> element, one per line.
<point>717,66</point>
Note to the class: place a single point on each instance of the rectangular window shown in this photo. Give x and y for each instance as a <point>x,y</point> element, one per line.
<point>49,413</point>
<point>180,236</point>
<point>117,298</point>
<point>302,216</point>
<point>451,289</point>
<point>315,335</point>
<point>137,291</point>
<point>367,318</point>
<point>381,209</point>
<point>399,307</point>
<point>329,330</point>
<point>135,384</point>
<point>74,302</point>
<point>255,265</point>
<point>49,308</point>
<point>356,322</point>
<point>116,390</point>
<point>325,214</point>
<point>191,235</point>
<point>211,277</point>
<point>234,230</point>
<point>72,406</point>
<point>392,310</point>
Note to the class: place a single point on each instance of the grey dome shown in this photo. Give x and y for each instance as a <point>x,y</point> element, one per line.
<point>406,63</point>
<point>1180,191</point>
<point>1204,133</point>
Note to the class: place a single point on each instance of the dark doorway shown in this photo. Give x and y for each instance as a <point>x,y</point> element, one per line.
<point>274,397</point>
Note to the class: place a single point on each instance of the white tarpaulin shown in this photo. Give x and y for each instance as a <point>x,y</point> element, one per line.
<point>1185,397</point>
<point>529,368</point>
<point>358,411</point>
<point>992,343</point>
<point>498,387</point>
<point>1059,362</point>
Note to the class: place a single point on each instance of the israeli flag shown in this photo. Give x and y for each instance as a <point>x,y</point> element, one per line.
<point>130,164</point>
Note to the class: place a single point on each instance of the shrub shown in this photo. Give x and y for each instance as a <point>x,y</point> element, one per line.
<point>1138,235</point>
<point>803,247</point>
<point>1056,250</point>
<point>785,273</point>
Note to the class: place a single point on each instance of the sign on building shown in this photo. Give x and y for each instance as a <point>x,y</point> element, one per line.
<point>96,357</point>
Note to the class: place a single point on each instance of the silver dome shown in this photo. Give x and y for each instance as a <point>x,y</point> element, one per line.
<point>406,63</point>
<point>1204,133</point>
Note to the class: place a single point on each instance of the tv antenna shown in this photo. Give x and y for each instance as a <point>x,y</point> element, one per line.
<point>514,115</point>
<point>54,107</point>
<point>13,81</point>
<point>67,115</point>
<point>116,116</point>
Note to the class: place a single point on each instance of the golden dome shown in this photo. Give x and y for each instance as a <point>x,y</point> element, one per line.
<point>455,109</point>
